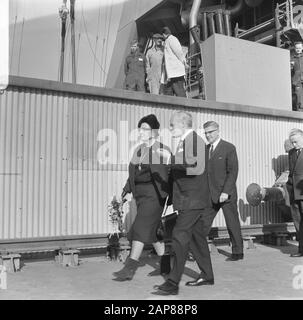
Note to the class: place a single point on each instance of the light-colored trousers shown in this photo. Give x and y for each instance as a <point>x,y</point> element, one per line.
<point>154,86</point>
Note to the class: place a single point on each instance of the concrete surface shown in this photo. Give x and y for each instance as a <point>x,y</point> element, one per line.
<point>240,71</point>
<point>265,273</point>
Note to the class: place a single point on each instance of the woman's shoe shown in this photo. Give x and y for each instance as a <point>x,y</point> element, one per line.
<point>128,271</point>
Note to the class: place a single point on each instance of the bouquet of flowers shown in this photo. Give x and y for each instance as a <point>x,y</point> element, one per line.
<point>115,209</point>
<point>116,217</point>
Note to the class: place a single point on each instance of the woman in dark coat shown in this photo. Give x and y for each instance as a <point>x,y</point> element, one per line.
<point>148,182</point>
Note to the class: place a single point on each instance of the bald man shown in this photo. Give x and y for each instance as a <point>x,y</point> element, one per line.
<point>191,200</point>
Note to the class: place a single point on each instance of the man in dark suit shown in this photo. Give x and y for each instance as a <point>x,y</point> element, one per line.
<point>295,180</point>
<point>191,199</point>
<point>222,171</point>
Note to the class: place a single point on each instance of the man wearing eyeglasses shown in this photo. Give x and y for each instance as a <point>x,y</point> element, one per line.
<point>191,200</point>
<point>222,170</point>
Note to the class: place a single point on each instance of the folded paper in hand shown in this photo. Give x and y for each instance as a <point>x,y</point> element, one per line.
<point>168,210</point>
<point>167,223</point>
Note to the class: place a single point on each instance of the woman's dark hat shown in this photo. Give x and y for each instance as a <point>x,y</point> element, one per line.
<point>166,30</point>
<point>151,120</point>
<point>158,36</point>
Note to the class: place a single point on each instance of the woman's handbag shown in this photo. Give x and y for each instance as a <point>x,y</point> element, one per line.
<point>167,223</point>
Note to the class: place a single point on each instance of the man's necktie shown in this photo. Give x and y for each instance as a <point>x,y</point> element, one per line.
<point>211,150</point>
<point>179,145</point>
<point>298,152</point>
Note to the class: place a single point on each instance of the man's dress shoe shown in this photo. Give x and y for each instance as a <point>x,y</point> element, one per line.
<point>200,282</point>
<point>166,289</point>
<point>297,255</point>
<point>236,257</point>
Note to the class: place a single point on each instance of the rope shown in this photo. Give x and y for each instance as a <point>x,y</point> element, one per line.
<point>96,43</point>
<point>109,23</point>
<point>13,43</point>
<point>90,45</point>
<point>20,48</point>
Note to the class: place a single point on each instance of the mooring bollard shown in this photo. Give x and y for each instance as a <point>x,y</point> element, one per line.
<point>11,261</point>
<point>249,240</point>
<point>3,277</point>
<point>280,238</point>
<point>68,257</point>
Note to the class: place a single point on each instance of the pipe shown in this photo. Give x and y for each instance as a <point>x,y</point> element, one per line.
<point>269,24</point>
<point>267,39</point>
<point>204,26</point>
<point>275,194</point>
<point>193,16</point>
<point>237,8</point>
<point>255,194</point>
<point>211,24</point>
<point>257,29</point>
<point>195,33</point>
<point>234,10</point>
<point>185,18</point>
<point>194,48</point>
<point>219,22</point>
<point>227,23</point>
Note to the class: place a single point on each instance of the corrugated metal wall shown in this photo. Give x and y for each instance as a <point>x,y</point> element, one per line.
<point>53,181</point>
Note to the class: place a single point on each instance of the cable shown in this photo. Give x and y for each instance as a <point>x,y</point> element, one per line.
<point>120,29</point>
<point>103,47</point>
<point>13,43</point>
<point>20,48</point>
<point>125,26</point>
<point>66,48</point>
<point>97,38</point>
<point>79,38</point>
<point>90,45</point>
<point>78,45</point>
<point>109,23</point>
